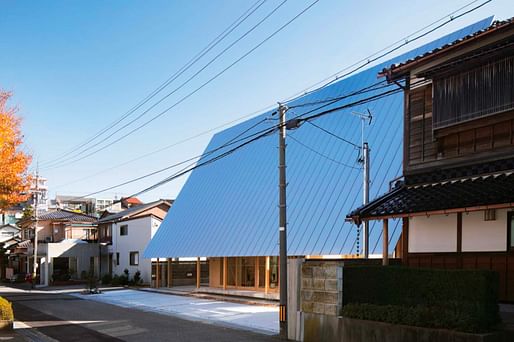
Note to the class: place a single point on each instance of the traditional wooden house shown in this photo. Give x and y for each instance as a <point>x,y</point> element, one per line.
<point>456,197</point>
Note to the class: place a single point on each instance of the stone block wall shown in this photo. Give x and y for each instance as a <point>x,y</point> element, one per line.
<point>322,287</point>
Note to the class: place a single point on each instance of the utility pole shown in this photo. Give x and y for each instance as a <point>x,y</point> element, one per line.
<point>365,191</point>
<point>282,220</point>
<point>365,178</point>
<point>36,204</point>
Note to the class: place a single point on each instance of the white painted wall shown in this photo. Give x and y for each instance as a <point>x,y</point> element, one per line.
<point>82,251</point>
<point>484,236</point>
<point>140,232</point>
<point>436,233</point>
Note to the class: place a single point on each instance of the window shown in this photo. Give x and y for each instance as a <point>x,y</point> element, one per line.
<point>117,259</point>
<point>134,258</point>
<point>124,230</point>
<point>489,85</point>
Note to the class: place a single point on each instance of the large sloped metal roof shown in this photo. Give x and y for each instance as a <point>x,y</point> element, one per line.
<point>229,208</point>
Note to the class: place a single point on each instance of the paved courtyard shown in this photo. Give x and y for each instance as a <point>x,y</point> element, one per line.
<point>259,318</point>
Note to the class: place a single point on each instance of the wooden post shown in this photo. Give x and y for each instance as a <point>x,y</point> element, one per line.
<point>405,241</point>
<point>157,275</point>
<point>225,272</point>
<point>266,276</point>
<point>459,240</point>
<point>170,274</point>
<point>198,272</point>
<point>385,238</point>
<point>256,273</point>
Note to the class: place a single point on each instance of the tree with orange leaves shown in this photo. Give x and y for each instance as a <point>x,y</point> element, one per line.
<point>14,178</point>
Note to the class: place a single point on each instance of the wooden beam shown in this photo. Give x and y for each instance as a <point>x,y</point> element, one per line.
<point>266,276</point>
<point>256,273</point>
<point>459,239</point>
<point>385,238</point>
<point>225,272</point>
<point>170,272</point>
<point>198,272</point>
<point>158,275</point>
<point>405,240</point>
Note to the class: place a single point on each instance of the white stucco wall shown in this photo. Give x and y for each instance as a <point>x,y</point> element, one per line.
<point>484,236</point>
<point>82,251</point>
<point>140,231</point>
<point>436,233</point>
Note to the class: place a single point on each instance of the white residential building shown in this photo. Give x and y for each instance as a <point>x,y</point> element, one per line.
<point>127,234</point>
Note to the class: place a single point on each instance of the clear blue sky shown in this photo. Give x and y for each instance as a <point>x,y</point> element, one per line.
<point>75,66</point>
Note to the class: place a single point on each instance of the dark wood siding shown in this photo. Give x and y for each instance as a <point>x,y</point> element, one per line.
<point>422,146</point>
<point>467,143</point>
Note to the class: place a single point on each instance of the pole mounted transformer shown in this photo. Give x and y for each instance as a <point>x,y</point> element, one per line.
<point>282,220</point>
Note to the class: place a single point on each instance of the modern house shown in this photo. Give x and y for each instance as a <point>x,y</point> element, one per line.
<point>456,198</point>
<point>126,235</point>
<point>227,211</point>
<point>67,246</point>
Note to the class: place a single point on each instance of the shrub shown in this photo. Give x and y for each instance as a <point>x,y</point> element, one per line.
<point>106,279</point>
<point>137,278</point>
<point>6,312</point>
<point>465,300</point>
<point>115,280</point>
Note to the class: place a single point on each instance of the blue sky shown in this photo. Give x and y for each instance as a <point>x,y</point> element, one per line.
<point>76,66</point>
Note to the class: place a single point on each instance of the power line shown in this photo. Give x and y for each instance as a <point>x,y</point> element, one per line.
<point>255,136</point>
<point>405,43</point>
<point>331,101</point>
<point>165,147</point>
<point>231,141</point>
<point>334,135</point>
<point>321,154</point>
<point>371,58</point>
<point>178,73</point>
<point>180,87</point>
<point>372,98</point>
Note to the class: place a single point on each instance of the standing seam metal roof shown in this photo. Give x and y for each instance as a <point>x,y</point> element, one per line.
<point>229,208</point>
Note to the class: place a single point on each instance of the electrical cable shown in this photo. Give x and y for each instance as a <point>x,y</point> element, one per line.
<point>321,154</point>
<point>184,84</point>
<point>178,73</point>
<point>370,59</point>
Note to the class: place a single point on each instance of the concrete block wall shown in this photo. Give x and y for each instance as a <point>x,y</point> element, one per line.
<point>322,287</point>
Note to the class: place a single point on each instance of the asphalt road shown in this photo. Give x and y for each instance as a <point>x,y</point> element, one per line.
<point>61,317</point>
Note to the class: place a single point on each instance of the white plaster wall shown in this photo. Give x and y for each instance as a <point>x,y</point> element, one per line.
<point>140,231</point>
<point>484,236</point>
<point>82,251</point>
<point>436,233</point>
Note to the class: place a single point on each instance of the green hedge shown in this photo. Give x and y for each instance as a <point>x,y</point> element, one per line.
<point>6,313</point>
<point>465,300</point>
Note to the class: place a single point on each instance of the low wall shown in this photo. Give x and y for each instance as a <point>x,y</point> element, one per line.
<point>321,295</point>
<point>321,287</point>
<point>329,328</point>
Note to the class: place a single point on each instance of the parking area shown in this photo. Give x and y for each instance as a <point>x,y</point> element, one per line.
<point>258,318</point>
